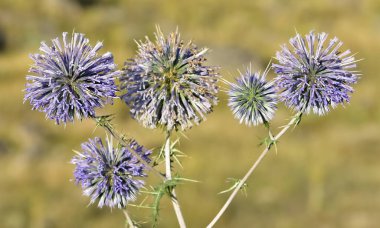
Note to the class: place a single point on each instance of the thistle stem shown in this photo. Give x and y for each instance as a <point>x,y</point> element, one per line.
<point>125,142</point>
<point>129,220</point>
<point>294,120</point>
<point>173,195</point>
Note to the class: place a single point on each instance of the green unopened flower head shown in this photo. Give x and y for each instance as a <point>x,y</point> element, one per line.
<point>252,99</point>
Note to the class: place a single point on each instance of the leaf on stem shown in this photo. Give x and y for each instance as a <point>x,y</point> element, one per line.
<point>175,154</point>
<point>269,142</point>
<point>104,121</point>
<point>235,182</point>
<point>159,191</point>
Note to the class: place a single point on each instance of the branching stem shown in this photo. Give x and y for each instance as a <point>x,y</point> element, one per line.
<point>125,142</point>
<point>294,120</point>
<point>173,195</point>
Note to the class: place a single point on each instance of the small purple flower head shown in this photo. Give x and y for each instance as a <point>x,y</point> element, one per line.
<point>252,99</point>
<point>70,79</point>
<point>314,76</point>
<point>168,84</point>
<point>109,174</point>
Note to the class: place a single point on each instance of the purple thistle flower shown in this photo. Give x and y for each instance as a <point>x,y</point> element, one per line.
<point>252,99</point>
<point>70,79</point>
<point>109,174</point>
<point>314,76</point>
<point>168,84</point>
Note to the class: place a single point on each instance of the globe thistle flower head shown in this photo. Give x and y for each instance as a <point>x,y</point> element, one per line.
<point>110,174</point>
<point>69,79</point>
<point>313,75</point>
<point>252,99</point>
<point>168,83</point>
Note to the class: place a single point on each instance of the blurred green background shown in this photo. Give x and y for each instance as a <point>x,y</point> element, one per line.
<point>325,174</point>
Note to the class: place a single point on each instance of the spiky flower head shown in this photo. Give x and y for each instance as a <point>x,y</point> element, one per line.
<point>69,79</point>
<point>168,83</point>
<point>313,75</point>
<point>252,99</point>
<point>111,175</point>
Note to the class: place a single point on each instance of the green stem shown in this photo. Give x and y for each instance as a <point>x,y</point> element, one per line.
<point>294,120</point>
<point>125,142</point>
<point>172,193</point>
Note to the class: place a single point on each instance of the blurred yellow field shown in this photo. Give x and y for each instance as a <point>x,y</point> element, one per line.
<point>326,172</point>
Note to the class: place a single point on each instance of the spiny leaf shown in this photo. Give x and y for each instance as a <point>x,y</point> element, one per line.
<point>105,120</point>
<point>236,182</point>
<point>269,142</point>
<point>142,204</point>
<point>159,191</point>
<point>175,154</point>
<point>136,224</point>
<point>186,179</point>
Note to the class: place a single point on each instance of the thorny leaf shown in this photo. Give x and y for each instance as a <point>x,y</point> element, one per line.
<point>175,154</point>
<point>236,182</point>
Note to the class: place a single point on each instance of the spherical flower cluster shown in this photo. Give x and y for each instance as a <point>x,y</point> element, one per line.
<point>70,79</point>
<point>252,99</point>
<point>110,174</point>
<point>168,85</point>
<point>314,76</point>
